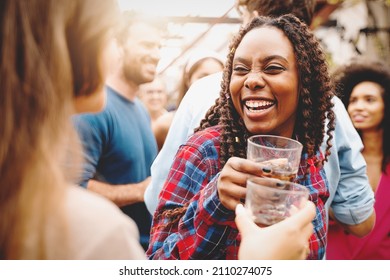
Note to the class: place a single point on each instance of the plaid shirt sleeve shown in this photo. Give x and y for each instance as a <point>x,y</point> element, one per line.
<point>207,228</point>
<point>317,184</point>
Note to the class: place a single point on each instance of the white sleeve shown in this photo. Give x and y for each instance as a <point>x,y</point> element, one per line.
<point>198,99</point>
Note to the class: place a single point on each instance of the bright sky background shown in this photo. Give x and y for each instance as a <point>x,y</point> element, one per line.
<point>179,7</point>
<point>182,36</point>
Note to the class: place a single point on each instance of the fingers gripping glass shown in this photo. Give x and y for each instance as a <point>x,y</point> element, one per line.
<point>279,155</point>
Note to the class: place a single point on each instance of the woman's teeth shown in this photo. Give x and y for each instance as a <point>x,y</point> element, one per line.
<point>256,105</point>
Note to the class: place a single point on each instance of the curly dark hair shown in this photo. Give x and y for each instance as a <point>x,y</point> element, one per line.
<point>361,70</point>
<point>315,93</point>
<point>303,9</point>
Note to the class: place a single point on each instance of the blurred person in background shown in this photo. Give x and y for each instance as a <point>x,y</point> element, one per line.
<point>201,63</point>
<point>118,142</point>
<point>345,166</point>
<point>53,62</point>
<point>364,86</point>
<point>154,96</point>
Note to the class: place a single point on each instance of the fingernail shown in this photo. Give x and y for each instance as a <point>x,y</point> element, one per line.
<point>280,184</point>
<point>239,209</point>
<point>266,170</point>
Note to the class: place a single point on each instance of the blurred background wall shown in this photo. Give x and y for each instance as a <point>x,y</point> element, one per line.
<point>346,29</point>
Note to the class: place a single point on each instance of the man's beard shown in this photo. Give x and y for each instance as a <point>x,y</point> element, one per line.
<point>134,75</point>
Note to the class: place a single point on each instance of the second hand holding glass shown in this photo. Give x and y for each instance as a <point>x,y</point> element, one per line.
<point>271,200</point>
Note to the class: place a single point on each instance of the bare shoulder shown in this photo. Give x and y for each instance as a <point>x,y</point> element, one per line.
<point>92,206</point>
<point>98,229</point>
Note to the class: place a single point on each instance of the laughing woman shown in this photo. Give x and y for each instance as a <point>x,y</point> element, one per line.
<point>276,82</point>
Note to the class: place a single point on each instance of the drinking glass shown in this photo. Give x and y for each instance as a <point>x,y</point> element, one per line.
<point>280,155</point>
<point>271,200</point>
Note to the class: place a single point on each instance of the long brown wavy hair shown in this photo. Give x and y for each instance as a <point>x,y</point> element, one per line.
<point>49,54</point>
<point>315,93</point>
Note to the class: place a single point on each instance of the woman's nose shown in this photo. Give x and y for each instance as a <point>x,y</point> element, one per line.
<point>155,54</point>
<point>254,81</point>
<point>359,105</point>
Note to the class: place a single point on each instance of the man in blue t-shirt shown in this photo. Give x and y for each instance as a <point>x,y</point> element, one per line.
<point>118,142</point>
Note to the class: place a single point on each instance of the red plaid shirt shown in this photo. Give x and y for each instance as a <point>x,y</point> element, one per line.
<point>207,229</point>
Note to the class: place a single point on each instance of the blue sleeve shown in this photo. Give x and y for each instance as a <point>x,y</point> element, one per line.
<point>92,141</point>
<point>351,196</point>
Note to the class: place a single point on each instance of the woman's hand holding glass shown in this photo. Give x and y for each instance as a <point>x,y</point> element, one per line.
<point>232,180</point>
<point>280,155</point>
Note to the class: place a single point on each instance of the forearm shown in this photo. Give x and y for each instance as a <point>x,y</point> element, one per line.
<point>362,229</point>
<point>121,195</point>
